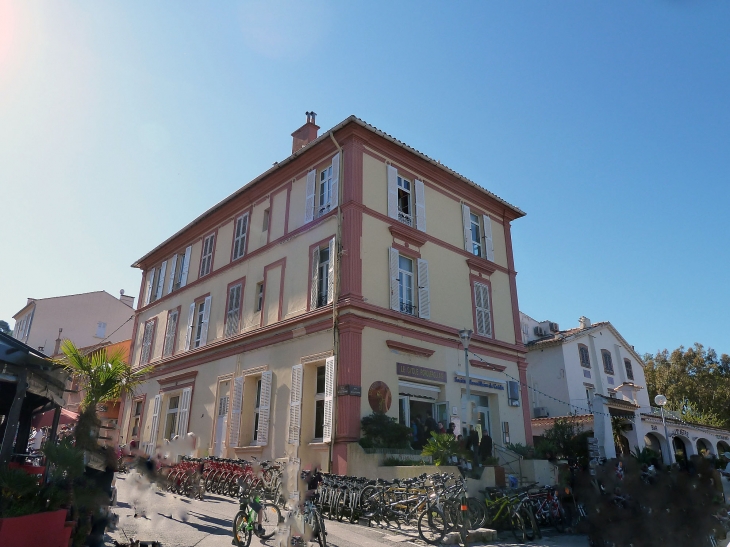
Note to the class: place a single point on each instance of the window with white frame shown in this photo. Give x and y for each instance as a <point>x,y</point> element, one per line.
<point>409,285</point>
<point>200,325</point>
<point>147,336</point>
<point>171,417</point>
<point>482,309</point>
<point>607,361</point>
<point>259,295</point>
<point>100,329</point>
<point>257,412</point>
<point>206,259</point>
<point>179,265</point>
<point>322,275</point>
<point>477,233</point>
<point>136,418</point>
<point>585,359</point>
<point>233,313</point>
<point>629,369</point>
<point>170,331</point>
<point>405,201</point>
<point>319,403</point>
<point>239,236</point>
<point>196,334</point>
<point>325,191</point>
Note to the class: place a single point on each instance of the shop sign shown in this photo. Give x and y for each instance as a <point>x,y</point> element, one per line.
<point>422,373</point>
<point>349,389</point>
<point>681,432</point>
<point>723,437</point>
<point>478,383</point>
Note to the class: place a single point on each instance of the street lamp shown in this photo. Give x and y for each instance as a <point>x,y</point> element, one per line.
<point>661,400</point>
<point>465,335</point>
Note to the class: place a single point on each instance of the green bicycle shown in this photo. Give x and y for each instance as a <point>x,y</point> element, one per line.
<point>255,517</point>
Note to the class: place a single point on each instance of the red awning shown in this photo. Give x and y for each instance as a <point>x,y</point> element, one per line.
<point>45,419</point>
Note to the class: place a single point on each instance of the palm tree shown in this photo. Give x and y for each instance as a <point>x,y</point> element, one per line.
<point>102,377</point>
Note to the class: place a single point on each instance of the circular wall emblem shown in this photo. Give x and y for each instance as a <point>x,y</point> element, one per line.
<point>379,397</point>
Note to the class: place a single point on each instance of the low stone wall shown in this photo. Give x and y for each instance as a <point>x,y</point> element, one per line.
<point>540,471</point>
<point>362,464</point>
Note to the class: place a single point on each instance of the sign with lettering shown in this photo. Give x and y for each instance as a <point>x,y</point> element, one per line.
<point>682,432</point>
<point>422,373</point>
<point>478,383</point>
<point>654,428</point>
<point>723,437</point>
<point>349,389</point>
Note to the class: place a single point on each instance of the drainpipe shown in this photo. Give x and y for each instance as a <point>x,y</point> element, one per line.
<point>335,296</point>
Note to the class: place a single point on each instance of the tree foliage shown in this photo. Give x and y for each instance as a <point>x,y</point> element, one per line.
<point>381,431</point>
<point>443,447</point>
<point>5,328</point>
<point>695,381</point>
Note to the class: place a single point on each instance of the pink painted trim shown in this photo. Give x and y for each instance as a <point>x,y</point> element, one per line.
<point>178,378</point>
<point>233,239</point>
<point>406,251</point>
<point>407,234</point>
<point>482,266</point>
<point>525,402</point>
<point>281,262</point>
<point>489,366</point>
<point>309,274</point>
<point>474,279</point>
<point>408,348</point>
<point>512,283</point>
<point>240,281</point>
<point>214,233</point>
<point>263,199</point>
<point>180,387</point>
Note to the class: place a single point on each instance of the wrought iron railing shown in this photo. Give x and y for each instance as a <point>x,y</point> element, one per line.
<point>405,218</point>
<point>408,308</point>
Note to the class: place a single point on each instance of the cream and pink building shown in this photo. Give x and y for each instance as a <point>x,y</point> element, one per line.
<point>334,283</point>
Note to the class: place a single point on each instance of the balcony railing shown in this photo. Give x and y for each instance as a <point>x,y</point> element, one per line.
<point>323,209</point>
<point>405,218</point>
<point>408,308</point>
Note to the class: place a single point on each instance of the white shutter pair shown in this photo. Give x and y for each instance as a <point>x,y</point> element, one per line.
<point>204,327</point>
<point>314,290</point>
<point>310,201</point>
<point>183,413</point>
<point>262,434</point>
<point>236,406</point>
<point>488,243</point>
<point>329,399</point>
<point>482,310</point>
<point>155,424</point>
<point>161,281</point>
<point>148,291</point>
<point>295,405</point>
<point>419,198</point>
<point>424,291</point>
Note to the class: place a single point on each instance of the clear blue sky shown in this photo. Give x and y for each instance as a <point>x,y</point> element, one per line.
<point>607,122</point>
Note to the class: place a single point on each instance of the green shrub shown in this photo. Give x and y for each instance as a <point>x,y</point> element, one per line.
<point>381,431</point>
<point>393,462</point>
<point>443,447</point>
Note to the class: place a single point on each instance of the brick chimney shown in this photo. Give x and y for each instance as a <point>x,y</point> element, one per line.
<point>305,134</point>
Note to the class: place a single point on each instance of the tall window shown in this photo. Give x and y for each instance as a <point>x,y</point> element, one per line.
<point>259,296</point>
<point>149,332</point>
<point>585,360</point>
<point>155,294</point>
<point>482,310</point>
<point>323,275</point>
<point>179,269</point>
<point>319,404</point>
<point>476,235</point>
<point>136,418</point>
<point>239,236</point>
<point>405,284</point>
<point>206,260</point>
<point>629,370</point>
<point>405,201</point>
<point>607,361</point>
<point>170,331</point>
<point>267,218</point>
<point>325,191</point>
<point>199,323</point>
<point>256,411</point>
<point>234,310</point>
<point>171,418</point>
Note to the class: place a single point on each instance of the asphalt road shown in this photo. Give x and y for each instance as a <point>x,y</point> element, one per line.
<point>177,521</point>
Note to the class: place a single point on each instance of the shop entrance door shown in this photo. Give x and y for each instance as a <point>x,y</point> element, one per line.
<point>404,410</point>
<point>483,423</point>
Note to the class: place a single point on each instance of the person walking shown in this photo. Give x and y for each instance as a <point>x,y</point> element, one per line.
<point>485,448</point>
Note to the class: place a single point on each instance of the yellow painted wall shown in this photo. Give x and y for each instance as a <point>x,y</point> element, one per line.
<point>257,236</point>
<point>272,290</point>
<point>278,215</point>
<point>296,203</point>
<point>223,245</point>
<point>375,184</point>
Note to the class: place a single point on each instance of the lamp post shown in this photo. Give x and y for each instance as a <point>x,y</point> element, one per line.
<point>465,335</point>
<point>661,400</point>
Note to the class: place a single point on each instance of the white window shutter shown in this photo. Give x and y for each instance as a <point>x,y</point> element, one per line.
<point>420,206</point>
<point>331,272</point>
<point>309,201</point>
<point>185,267</point>
<point>488,242</point>
<point>262,435</point>
<point>392,192</point>
<point>466,218</point>
<point>393,264</point>
<point>424,297</point>
<point>315,279</point>
<point>148,292</point>
<point>155,423</point>
<point>206,320</point>
<point>482,310</point>
<point>161,281</point>
<point>173,269</point>
<point>329,399</point>
<point>335,192</point>
<point>295,405</point>
<point>183,413</point>
<point>189,331</point>
<point>236,406</point>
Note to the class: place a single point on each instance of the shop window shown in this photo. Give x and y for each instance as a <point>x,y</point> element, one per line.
<point>513,393</point>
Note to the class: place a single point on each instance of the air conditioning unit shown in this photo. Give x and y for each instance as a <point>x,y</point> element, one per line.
<point>539,331</point>
<point>541,412</point>
<point>554,327</point>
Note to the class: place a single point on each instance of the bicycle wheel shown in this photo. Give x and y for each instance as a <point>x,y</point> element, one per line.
<point>432,525</point>
<point>369,500</point>
<point>270,518</point>
<point>477,512</point>
<point>318,529</point>
<point>518,527</point>
<point>557,518</point>
<point>241,530</point>
<point>532,530</point>
<point>334,505</point>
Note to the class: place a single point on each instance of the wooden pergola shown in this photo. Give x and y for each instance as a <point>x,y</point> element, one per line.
<point>29,382</point>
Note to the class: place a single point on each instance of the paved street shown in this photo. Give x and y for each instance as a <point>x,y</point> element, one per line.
<point>181,522</point>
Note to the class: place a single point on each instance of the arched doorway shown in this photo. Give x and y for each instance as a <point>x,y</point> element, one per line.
<point>704,447</point>
<point>624,448</point>
<point>655,443</point>
<point>683,448</point>
<point>722,447</point>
